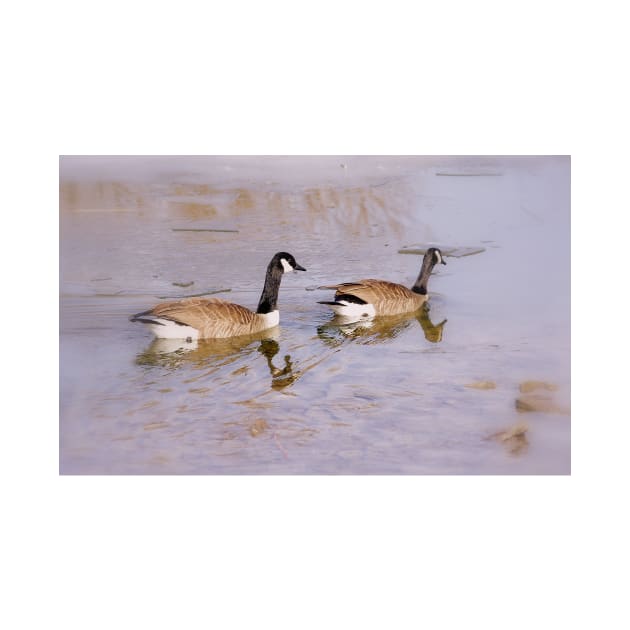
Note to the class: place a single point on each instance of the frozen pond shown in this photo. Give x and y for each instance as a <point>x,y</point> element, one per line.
<point>438,392</point>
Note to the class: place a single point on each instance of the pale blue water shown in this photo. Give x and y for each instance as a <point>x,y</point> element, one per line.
<point>317,398</point>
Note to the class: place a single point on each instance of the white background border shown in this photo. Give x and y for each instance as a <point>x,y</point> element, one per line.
<point>314,78</point>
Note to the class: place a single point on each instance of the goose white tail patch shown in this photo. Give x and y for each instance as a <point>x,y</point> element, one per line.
<point>167,329</point>
<point>353,310</point>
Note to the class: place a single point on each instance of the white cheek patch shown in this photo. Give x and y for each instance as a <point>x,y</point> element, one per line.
<point>285,265</point>
<point>439,257</point>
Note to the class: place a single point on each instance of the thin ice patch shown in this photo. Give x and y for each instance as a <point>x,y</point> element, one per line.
<point>451,251</point>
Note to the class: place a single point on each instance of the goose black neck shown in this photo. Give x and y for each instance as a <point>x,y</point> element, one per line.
<point>269,296</point>
<point>420,285</point>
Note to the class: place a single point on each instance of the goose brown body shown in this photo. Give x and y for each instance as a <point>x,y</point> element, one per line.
<point>213,318</point>
<point>387,298</point>
<point>200,318</point>
<point>370,297</point>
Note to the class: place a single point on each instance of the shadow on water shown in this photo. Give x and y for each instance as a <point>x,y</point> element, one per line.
<point>379,329</point>
<point>173,354</point>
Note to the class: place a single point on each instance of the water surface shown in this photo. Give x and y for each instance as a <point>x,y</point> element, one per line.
<point>402,396</point>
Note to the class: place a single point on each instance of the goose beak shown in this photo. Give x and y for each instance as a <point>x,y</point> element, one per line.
<point>298,267</point>
<point>443,261</point>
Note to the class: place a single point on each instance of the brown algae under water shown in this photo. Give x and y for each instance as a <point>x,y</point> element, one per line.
<point>313,395</point>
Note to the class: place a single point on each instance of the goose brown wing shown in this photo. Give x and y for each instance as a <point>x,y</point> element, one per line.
<point>198,312</point>
<point>373,291</point>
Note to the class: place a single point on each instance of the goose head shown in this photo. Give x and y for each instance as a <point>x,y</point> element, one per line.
<point>435,256</point>
<point>286,262</point>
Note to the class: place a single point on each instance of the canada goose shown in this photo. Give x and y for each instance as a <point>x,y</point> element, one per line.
<point>197,318</point>
<point>367,298</point>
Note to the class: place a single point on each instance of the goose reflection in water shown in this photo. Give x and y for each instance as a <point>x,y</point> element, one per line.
<point>280,377</point>
<point>207,353</point>
<point>379,329</point>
